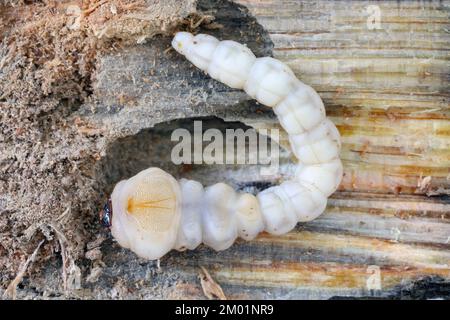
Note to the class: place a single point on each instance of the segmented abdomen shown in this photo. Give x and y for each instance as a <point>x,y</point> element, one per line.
<point>217,214</point>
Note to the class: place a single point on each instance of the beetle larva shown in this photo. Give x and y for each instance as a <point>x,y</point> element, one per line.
<point>154,213</point>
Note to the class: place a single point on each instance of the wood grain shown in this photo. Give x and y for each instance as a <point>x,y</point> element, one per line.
<point>388,92</point>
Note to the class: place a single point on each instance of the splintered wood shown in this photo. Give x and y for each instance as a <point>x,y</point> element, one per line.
<point>210,288</point>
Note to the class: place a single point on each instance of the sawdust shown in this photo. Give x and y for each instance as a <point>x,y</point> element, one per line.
<point>48,58</point>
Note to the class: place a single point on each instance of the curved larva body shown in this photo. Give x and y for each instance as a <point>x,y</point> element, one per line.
<point>153,213</point>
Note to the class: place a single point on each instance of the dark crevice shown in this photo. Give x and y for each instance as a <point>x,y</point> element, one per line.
<point>426,288</point>
<point>236,24</point>
<point>127,156</point>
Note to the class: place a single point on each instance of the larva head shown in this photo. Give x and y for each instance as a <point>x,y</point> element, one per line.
<point>182,41</point>
<point>106,214</point>
<point>147,213</point>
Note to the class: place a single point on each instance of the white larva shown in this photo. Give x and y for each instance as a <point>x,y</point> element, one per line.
<point>190,231</point>
<point>153,213</point>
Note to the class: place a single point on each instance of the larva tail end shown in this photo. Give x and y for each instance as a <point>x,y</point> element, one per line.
<point>181,41</point>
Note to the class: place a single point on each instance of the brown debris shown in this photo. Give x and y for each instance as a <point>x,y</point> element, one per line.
<point>94,254</point>
<point>210,287</point>
<point>96,243</point>
<point>11,289</point>
<point>94,275</point>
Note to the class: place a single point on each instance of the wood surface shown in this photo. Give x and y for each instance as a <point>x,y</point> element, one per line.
<point>388,92</point>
